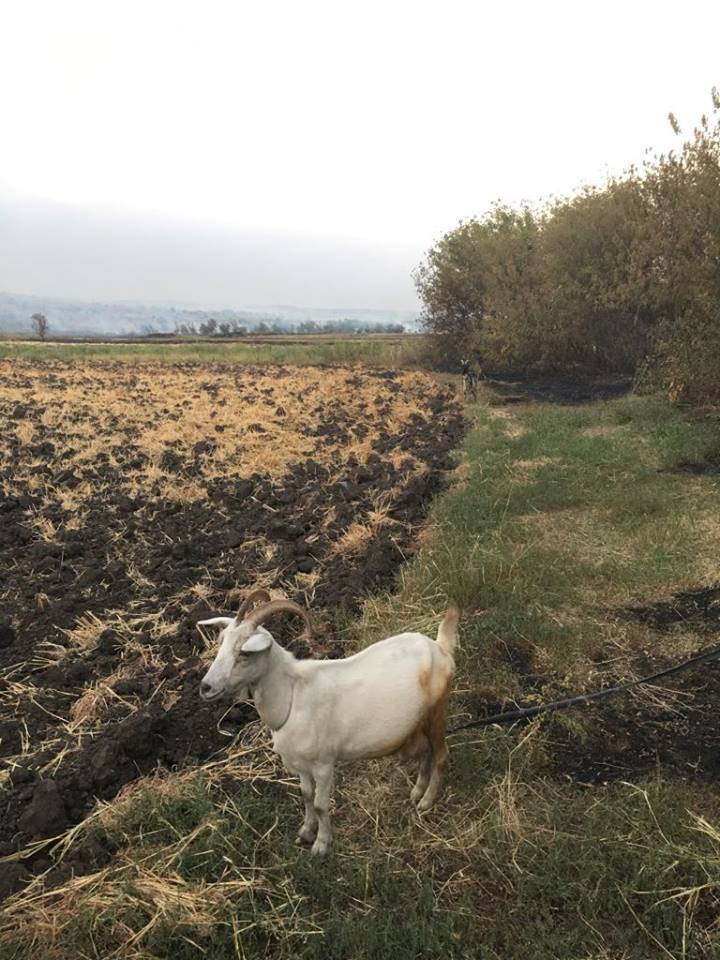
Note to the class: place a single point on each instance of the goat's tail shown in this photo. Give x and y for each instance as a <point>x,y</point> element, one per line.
<point>447,637</point>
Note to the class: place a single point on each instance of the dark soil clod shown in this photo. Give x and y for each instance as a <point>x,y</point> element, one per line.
<point>45,814</point>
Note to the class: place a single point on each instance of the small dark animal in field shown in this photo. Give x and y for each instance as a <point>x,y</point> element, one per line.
<point>470,379</point>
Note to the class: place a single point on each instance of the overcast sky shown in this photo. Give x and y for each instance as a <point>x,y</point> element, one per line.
<point>236,153</point>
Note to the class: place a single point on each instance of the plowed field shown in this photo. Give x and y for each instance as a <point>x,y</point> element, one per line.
<point>137,499</point>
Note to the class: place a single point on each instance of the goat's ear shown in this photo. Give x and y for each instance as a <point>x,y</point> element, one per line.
<point>256,643</point>
<point>225,621</point>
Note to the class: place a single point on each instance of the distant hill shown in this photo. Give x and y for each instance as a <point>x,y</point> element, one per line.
<point>122,319</point>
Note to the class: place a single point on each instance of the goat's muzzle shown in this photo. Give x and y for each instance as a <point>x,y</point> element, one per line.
<point>208,692</point>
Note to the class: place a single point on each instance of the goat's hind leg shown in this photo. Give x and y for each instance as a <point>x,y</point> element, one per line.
<point>423,752</point>
<point>423,778</point>
<point>438,755</point>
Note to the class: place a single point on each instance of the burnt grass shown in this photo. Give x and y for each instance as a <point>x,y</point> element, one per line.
<point>625,736</point>
<point>140,555</point>
<point>626,739</point>
<point>567,390</point>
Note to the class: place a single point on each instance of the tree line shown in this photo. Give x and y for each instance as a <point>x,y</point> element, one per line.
<point>211,327</point>
<point>231,328</point>
<point>619,277</point>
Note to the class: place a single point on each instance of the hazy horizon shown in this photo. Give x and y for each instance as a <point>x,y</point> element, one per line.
<point>309,154</point>
<point>60,250</point>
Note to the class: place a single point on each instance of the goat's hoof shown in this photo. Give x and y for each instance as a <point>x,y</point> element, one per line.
<point>424,806</point>
<point>320,848</point>
<point>306,837</point>
<point>416,796</point>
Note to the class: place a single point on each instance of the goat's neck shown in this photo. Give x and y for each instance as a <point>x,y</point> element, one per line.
<point>273,692</point>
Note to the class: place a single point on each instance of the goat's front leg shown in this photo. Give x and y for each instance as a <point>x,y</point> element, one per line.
<point>323,776</point>
<point>309,829</point>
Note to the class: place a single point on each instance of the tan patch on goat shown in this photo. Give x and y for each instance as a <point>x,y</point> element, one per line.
<point>430,732</point>
<point>414,747</point>
<point>437,723</point>
<point>400,745</point>
<point>419,740</point>
<point>425,681</point>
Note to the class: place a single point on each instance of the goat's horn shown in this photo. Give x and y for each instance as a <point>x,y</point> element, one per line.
<point>259,595</point>
<point>260,614</point>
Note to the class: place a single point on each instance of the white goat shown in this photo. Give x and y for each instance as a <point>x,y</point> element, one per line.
<point>390,698</point>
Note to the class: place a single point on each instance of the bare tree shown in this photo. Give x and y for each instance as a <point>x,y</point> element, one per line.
<point>40,324</point>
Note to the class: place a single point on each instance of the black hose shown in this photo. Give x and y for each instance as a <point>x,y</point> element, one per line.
<point>523,714</point>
